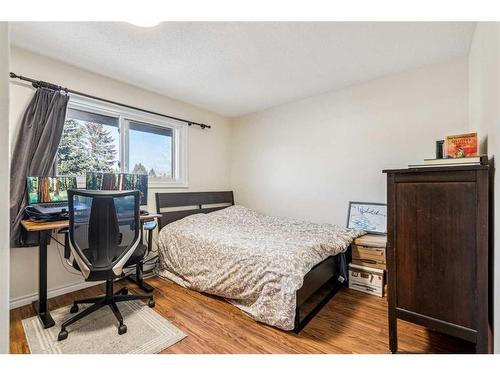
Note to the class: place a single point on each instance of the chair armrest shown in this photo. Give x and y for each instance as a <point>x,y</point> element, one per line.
<point>150,225</point>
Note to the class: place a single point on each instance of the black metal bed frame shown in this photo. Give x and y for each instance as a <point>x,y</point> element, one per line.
<point>323,276</point>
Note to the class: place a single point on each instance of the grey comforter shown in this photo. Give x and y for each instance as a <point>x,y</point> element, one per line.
<point>257,262</point>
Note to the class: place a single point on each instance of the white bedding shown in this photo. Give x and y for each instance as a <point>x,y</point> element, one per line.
<point>257,262</point>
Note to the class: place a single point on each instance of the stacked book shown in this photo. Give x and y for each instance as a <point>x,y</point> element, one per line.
<point>451,162</point>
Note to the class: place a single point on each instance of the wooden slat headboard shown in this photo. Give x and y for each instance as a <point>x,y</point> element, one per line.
<point>175,206</point>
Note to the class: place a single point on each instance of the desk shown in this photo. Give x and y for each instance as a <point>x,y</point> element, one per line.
<point>44,230</point>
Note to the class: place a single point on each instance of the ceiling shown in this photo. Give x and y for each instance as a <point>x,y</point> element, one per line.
<point>235,68</point>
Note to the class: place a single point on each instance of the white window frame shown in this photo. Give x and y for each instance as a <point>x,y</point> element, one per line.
<point>124,114</point>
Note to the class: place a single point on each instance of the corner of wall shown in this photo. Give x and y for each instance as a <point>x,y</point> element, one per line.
<point>484,117</point>
<point>4,198</point>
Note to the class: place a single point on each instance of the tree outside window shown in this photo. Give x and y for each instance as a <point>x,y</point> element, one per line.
<point>86,146</point>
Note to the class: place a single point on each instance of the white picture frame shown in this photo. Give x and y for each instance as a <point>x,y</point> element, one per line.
<point>368,216</point>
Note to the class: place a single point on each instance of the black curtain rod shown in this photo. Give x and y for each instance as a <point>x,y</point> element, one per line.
<point>52,86</point>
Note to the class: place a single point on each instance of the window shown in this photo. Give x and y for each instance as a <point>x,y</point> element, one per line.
<point>114,139</point>
<point>150,150</point>
<point>90,142</point>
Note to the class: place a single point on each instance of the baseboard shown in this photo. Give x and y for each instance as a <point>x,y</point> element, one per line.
<point>54,292</point>
<point>27,299</point>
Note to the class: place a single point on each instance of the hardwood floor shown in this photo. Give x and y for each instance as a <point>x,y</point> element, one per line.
<point>352,322</point>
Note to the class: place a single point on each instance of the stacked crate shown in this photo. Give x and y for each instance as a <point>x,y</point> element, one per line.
<point>368,266</point>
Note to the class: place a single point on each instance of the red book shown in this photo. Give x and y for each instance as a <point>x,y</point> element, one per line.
<point>460,145</point>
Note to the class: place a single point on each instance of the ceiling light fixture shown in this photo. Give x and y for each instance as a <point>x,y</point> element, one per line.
<point>145,23</point>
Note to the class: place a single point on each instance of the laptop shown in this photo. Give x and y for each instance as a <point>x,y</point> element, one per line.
<point>49,195</point>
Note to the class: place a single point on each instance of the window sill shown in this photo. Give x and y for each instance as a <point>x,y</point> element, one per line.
<point>167,185</point>
<point>158,184</point>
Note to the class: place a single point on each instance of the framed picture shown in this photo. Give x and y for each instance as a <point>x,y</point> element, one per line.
<point>370,217</point>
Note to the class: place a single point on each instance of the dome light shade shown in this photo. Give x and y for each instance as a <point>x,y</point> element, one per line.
<point>145,23</point>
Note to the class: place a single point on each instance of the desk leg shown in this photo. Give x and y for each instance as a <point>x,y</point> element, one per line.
<point>41,306</point>
<point>138,278</point>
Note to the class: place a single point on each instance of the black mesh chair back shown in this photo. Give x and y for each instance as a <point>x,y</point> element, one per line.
<point>104,230</point>
<point>104,234</point>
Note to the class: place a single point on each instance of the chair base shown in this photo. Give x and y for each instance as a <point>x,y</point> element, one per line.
<point>110,299</point>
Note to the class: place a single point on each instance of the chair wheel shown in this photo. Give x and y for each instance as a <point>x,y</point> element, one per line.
<point>124,291</point>
<point>74,309</point>
<point>122,329</point>
<point>151,303</point>
<point>63,335</point>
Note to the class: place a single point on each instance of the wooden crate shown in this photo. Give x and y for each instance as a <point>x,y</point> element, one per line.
<point>369,256</point>
<point>369,251</point>
<point>372,240</point>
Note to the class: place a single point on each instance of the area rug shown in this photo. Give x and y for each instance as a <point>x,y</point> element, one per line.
<point>147,332</point>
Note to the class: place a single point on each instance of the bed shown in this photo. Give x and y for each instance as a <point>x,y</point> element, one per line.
<point>279,271</point>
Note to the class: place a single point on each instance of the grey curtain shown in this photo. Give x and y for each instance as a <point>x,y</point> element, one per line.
<point>35,150</point>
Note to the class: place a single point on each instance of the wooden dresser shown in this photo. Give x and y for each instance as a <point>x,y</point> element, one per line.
<point>438,251</point>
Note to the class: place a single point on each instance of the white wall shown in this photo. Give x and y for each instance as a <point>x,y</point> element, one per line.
<point>4,178</point>
<point>484,82</point>
<point>309,158</point>
<point>208,157</point>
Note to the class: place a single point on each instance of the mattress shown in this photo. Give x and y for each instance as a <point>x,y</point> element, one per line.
<point>255,261</point>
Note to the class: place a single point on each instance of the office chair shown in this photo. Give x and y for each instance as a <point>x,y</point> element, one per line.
<point>103,239</point>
